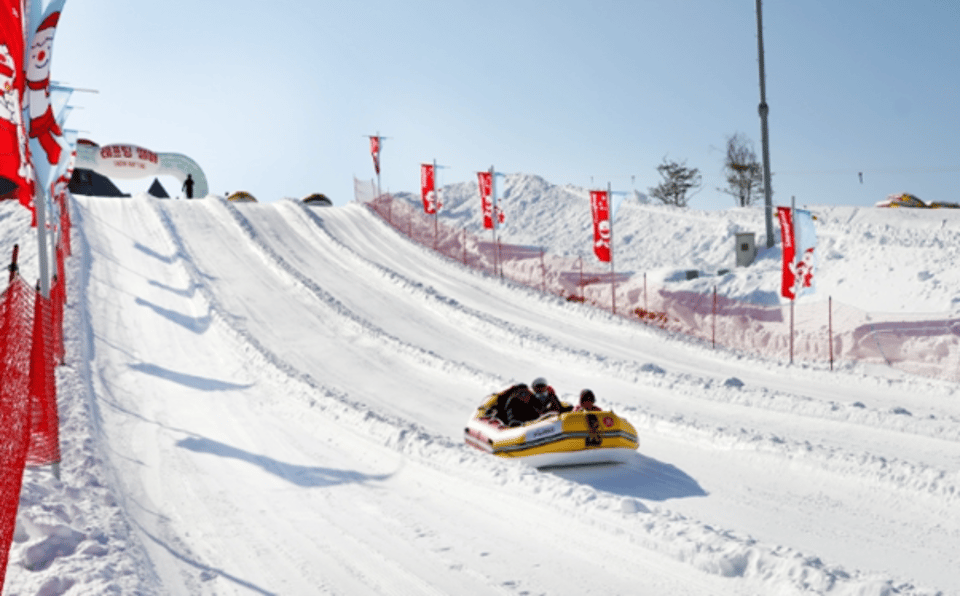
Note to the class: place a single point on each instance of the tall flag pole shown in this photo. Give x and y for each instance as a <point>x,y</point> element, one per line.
<point>485,187</point>
<point>799,240</point>
<point>43,131</point>
<point>498,218</point>
<point>492,214</point>
<point>430,194</point>
<point>613,277</point>
<point>602,233</point>
<point>376,145</point>
<point>436,209</point>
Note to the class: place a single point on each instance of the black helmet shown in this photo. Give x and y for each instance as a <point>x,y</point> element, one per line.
<point>587,395</point>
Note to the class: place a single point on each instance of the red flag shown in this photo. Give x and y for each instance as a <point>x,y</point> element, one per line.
<point>13,136</point>
<point>427,189</point>
<point>486,191</point>
<point>375,152</point>
<point>799,239</point>
<point>788,240</point>
<point>600,206</point>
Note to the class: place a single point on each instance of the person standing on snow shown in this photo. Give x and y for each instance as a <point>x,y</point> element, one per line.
<point>188,186</point>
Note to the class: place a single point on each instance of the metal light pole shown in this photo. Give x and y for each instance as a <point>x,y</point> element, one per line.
<point>764,133</point>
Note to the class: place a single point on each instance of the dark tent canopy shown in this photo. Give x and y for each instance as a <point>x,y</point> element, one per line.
<point>318,199</point>
<point>88,182</point>
<point>156,189</point>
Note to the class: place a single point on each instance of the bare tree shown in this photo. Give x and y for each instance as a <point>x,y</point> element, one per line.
<point>742,170</point>
<point>678,180</point>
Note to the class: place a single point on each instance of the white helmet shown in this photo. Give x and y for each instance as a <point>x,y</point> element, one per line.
<point>539,382</point>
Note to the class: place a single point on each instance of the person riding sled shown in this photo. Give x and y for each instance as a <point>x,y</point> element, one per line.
<point>547,400</point>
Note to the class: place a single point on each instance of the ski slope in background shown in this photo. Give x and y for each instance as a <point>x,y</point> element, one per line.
<point>270,399</point>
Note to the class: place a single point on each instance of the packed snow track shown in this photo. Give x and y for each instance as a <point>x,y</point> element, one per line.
<point>282,389</point>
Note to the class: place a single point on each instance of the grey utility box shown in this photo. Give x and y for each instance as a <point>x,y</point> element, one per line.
<point>746,248</point>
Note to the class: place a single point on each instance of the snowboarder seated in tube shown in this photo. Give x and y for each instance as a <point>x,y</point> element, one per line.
<point>519,404</point>
<point>588,402</point>
<point>547,400</point>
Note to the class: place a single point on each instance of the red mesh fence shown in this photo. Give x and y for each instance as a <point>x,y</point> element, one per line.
<point>64,223</point>
<point>44,435</point>
<point>16,308</point>
<point>58,301</point>
<point>31,342</point>
<point>825,331</point>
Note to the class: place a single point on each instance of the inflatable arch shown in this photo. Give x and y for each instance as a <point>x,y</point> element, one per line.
<point>130,161</point>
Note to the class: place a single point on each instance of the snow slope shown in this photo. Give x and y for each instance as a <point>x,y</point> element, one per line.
<point>269,399</point>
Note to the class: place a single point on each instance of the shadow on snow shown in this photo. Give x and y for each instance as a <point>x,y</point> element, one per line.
<point>305,476</point>
<point>643,478</point>
<point>193,381</point>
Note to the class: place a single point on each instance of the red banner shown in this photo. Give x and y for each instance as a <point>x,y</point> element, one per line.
<point>13,139</point>
<point>428,190</point>
<point>788,241</point>
<point>799,240</point>
<point>375,152</point>
<point>486,191</point>
<point>600,206</point>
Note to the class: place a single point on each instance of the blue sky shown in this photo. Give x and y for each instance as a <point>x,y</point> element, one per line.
<point>276,98</point>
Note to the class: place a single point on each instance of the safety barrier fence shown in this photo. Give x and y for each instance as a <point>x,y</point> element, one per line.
<point>817,332</point>
<point>31,344</point>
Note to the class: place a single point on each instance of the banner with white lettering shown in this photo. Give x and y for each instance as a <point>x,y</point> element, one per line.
<point>799,241</point>
<point>428,191</point>
<point>485,183</point>
<point>375,152</point>
<point>600,207</point>
<point>127,161</point>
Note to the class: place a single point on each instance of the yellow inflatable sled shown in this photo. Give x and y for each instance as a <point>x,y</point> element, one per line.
<point>554,439</point>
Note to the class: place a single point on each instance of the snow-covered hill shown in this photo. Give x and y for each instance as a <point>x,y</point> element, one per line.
<point>879,260</point>
<point>269,399</point>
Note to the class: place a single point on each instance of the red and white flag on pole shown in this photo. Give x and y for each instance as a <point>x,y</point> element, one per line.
<point>600,206</point>
<point>14,170</point>
<point>44,131</point>
<point>428,189</point>
<point>799,240</point>
<point>485,181</point>
<point>375,152</point>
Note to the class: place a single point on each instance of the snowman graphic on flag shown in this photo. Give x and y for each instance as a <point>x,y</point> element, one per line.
<point>43,124</point>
